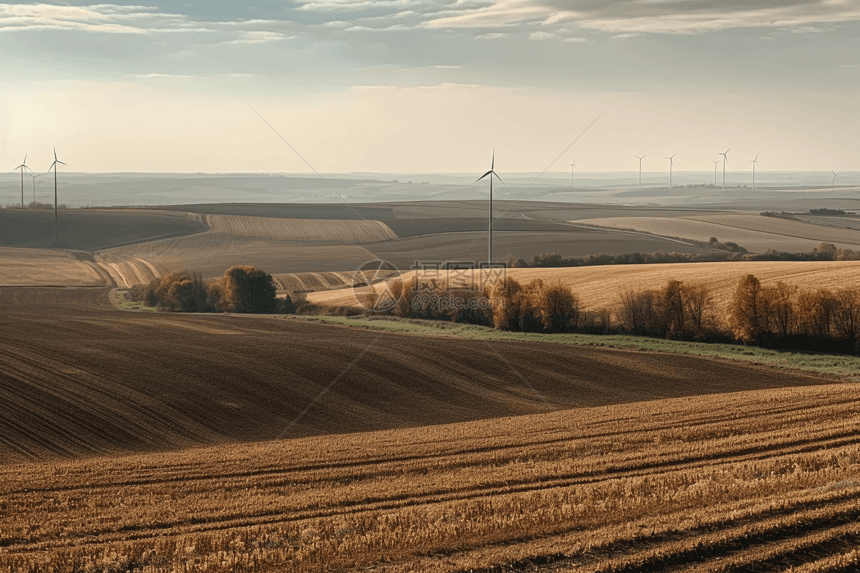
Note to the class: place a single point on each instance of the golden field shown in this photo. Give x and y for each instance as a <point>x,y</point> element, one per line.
<point>598,286</point>
<point>306,231</point>
<point>44,267</point>
<point>749,481</point>
<point>756,233</point>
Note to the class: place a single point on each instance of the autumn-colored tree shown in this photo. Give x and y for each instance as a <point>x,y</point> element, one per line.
<point>846,315</point>
<point>698,302</point>
<point>778,308</point>
<point>744,313</point>
<point>245,289</point>
<point>815,311</point>
<point>558,307</point>
<point>638,310</point>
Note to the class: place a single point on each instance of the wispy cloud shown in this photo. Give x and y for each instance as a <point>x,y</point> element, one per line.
<point>679,16</point>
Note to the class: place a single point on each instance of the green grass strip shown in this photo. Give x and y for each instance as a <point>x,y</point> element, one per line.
<point>836,365</point>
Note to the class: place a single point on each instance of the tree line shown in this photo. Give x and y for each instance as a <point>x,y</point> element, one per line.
<point>242,289</point>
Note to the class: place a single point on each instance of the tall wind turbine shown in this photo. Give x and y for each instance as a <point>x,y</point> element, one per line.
<point>671,162</point>
<point>755,164</point>
<point>640,169</point>
<point>833,187</point>
<point>23,167</point>
<point>491,174</point>
<point>572,167</point>
<point>54,167</point>
<point>34,184</point>
<point>725,160</point>
<point>715,162</point>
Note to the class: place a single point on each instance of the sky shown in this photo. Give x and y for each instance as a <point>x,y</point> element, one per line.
<point>430,86</point>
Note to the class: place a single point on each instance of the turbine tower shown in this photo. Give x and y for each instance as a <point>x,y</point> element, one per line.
<point>34,184</point>
<point>725,160</point>
<point>54,167</point>
<point>23,167</point>
<point>833,184</point>
<point>492,174</point>
<point>671,162</point>
<point>640,169</point>
<point>755,164</point>
<point>572,167</point>
<point>715,162</point>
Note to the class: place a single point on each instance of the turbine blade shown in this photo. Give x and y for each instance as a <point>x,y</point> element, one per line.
<point>484,175</point>
<point>497,177</point>
<point>55,152</point>
<point>61,163</point>
<point>493,162</point>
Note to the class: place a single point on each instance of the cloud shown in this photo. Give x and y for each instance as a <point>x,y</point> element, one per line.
<point>104,18</point>
<point>155,76</point>
<point>491,36</point>
<point>631,16</point>
<point>576,40</point>
<point>541,35</point>
<point>260,37</point>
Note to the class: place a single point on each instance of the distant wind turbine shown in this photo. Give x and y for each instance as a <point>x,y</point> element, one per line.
<point>715,162</point>
<point>755,164</point>
<point>640,169</point>
<point>725,160</point>
<point>833,188</point>
<point>23,167</point>
<point>54,167</point>
<point>572,167</point>
<point>671,162</point>
<point>491,173</point>
<point>34,184</point>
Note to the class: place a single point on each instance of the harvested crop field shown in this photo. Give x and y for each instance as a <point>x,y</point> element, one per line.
<point>599,286</point>
<point>756,233</point>
<point>472,246</point>
<point>749,481</point>
<point>293,210</point>
<point>301,231</point>
<point>89,230</point>
<point>78,380</point>
<point>213,253</point>
<point>44,267</point>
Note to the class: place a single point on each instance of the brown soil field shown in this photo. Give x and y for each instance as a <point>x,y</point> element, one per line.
<point>301,231</point>
<point>755,233</point>
<point>762,481</point>
<point>599,286</point>
<point>44,267</point>
<point>82,378</point>
<point>427,226</point>
<point>89,230</point>
<point>472,246</point>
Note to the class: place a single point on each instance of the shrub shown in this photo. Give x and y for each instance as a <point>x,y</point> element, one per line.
<point>181,291</point>
<point>149,299</point>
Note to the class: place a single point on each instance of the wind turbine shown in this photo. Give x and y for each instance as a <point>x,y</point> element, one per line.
<point>492,174</point>
<point>54,167</point>
<point>671,162</point>
<point>572,167</point>
<point>640,169</point>
<point>715,162</point>
<point>34,184</point>
<point>23,167</point>
<point>725,160</point>
<point>755,164</point>
<point>833,188</point>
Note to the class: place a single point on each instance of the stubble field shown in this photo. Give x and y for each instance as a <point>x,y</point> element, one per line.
<point>749,481</point>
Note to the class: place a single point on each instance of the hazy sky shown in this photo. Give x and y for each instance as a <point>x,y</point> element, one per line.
<point>431,85</point>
